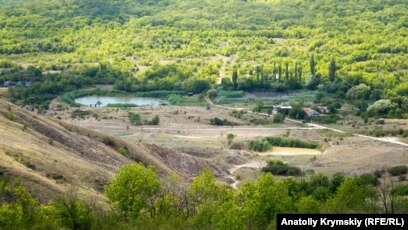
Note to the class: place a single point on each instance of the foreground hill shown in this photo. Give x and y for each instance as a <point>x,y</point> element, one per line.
<point>52,157</point>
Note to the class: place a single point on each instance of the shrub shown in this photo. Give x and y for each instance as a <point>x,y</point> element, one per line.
<point>212,93</point>
<point>278,118</point>
<point>279,168</point>
<point>368,179</point>
<point>398,170</point>
<point>379,173</point>
<point>330,119</point>
<point>154,121</point>
<point>401,190</point>
<point>260,146</point>
<point>72,213</point>
<point>238,113</point>
<point>217,121</point>
<point>174,99</point>
<point>230,137</point>
<point>10,115</point>
<point>135,118</point>
<point>288,142</point>
<point>231,94</point>
<point>122,150</point>
<point>108,141</point>
<point>196,85</point>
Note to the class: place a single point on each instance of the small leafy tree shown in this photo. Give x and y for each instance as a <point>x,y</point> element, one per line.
<point>230,137</point>
<point>72,213</point>
<point>131,189</point>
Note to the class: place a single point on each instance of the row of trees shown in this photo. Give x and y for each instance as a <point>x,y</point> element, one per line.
<point>140,199</point>
<point>280,79</point>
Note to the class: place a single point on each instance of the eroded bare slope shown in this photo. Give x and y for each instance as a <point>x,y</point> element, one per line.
<point>51,157</point>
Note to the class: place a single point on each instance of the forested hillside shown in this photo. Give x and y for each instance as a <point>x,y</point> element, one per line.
<point>190,45</point>
<point>367,37</point>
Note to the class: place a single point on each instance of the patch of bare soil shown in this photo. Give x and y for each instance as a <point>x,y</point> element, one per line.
<point>285,151</point>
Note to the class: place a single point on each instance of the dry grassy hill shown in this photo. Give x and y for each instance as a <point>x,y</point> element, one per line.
<point>52,157</point>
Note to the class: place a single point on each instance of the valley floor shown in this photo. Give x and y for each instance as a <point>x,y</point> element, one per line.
<point>187,130</point>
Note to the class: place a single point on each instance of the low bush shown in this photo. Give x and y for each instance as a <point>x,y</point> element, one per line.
<point>401,190</point>
<point>218,122</point>
<point>289,142</point>
<point>368,179</point>
<point>135,118</point>
<point>238,113</point>
<point>398,170</point>
<point>154,121</point>
<point>278,118</point>
<point>330,119</point>
<point>260,146</point>
<point>122,150</point>
<point>281,169</point>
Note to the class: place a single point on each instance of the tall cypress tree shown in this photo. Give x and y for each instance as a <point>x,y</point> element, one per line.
<point>312,65</point>
<point>300,72</point>
<point>332,70</point>
<point>296,70</point>
<point>287,72</point>
<point>235,79</point>
<point>280,72</point>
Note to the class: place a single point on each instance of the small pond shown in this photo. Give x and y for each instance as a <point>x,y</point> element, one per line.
<point>105,100</point>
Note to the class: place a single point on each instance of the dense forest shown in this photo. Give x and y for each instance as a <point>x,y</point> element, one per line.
<point>354,50</point>
<point>139,199</point>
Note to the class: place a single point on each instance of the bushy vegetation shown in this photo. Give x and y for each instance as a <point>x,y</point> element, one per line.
<point>379,132</point>
<point>281,169</point>
<point>140,199</point>
<point>400,190</point>
<point>326,119</point>
<point>268,143</point>
<point>398,170</point>
<point>260,146</point>
<point>221,122</point>
<point>238,113</point>
<point>278,118</point>
<point>290,142</point>
<point>136,119</point>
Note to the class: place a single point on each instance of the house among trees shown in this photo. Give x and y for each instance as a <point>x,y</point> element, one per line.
<point>324,110</point>
<point>283,106</point>
<point>311,112</point>
<point>23,83</point>
<point>7,83</point>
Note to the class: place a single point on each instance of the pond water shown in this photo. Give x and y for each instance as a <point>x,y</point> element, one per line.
<point>105,100</point>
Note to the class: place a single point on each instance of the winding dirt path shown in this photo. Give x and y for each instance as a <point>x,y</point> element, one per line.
<point>252,164</point>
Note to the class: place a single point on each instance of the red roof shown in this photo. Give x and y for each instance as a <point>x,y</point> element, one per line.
<point>310,111</point>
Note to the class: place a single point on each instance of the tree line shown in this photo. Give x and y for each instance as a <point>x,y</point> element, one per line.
<point>139,198</point>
